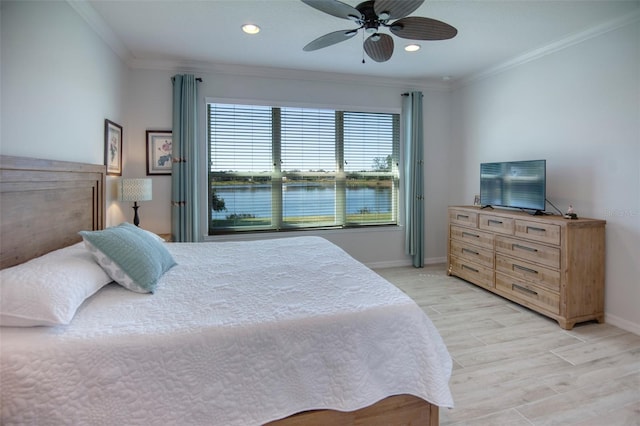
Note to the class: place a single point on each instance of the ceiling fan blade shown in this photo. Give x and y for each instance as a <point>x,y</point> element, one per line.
<point>380,50</point>
<point>335,8</point>
<point>396,8</point>
<point>329,39</point>
<point>418,28</point>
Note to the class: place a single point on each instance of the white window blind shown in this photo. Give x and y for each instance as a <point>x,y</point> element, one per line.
<point>241,138</point>
<point>291,168</point>
<point>240,165</point>
<point>308,152</point>
<point>371,166</point>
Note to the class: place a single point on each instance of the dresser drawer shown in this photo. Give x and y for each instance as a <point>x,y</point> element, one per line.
<point>463,217</point>
<point>472,236</point>
<point>526,250</point>
<point>502,225</point>
<point>472,253</point>
<point>544,277</point>
<point>527,293</point>
<point>542,232</point>
<point>477,274</point>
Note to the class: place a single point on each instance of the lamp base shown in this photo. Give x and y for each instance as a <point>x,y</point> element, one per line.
<point>136,218</point>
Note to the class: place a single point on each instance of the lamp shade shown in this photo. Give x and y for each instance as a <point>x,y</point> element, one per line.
<point>135,190</point>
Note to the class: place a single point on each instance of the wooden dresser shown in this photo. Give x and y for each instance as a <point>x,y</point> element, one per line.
<point>550,264</point>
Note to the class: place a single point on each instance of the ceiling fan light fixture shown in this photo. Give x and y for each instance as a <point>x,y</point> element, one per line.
<point>383,16</point>
<point>251,29</point>
<point>375,37</point>
<point>412,47</point>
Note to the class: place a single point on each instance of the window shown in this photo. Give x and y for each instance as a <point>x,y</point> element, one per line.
<point>282,168</point>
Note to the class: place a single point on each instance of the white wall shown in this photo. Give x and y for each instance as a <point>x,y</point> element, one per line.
<point>59,83</point>
<point>150,109</point>
<point>579,109</point>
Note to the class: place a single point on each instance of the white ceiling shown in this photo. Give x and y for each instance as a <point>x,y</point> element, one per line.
<point>491,33</point>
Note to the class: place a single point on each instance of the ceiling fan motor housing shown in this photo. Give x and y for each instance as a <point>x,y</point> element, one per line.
<point>370,20</point>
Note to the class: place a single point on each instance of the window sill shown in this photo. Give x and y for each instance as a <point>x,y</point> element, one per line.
<point>315,233</point>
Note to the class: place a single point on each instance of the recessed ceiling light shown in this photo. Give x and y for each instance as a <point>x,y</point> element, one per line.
<point>412,47</point>
<point>251,28</point>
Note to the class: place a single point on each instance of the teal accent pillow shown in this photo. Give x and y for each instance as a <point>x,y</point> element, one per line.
<point>130,256</point>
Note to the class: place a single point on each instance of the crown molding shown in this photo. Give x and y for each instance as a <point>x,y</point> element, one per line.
<point>564,43</point>
<point>287,74</point>
<point>95,21</point>
<point>100,27</point>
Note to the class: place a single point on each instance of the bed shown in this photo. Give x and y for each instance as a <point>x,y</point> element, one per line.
<point>288,331</point>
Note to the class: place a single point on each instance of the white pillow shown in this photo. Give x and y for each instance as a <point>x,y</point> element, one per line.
<point>49,289</point>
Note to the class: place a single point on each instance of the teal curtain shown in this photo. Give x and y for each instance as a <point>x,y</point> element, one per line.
<point>413,176</point>
<point>185,219</point>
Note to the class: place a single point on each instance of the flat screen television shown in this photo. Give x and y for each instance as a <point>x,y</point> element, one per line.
<point>515,184</point>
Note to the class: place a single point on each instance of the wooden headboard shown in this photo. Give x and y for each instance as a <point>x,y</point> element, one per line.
<point>44,203</point>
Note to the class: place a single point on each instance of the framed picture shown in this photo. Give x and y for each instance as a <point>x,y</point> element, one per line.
<point>159,149</point>
<point>113,148</point>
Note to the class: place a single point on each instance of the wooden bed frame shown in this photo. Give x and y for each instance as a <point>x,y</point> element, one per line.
<point>43,205</point>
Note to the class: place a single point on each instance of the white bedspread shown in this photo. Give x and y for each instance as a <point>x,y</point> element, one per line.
<point>239,333</point>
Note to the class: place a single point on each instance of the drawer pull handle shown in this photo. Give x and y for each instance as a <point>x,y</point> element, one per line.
<point>470,268</point>
<point>469,234</point>
<point>518,246</point>
<point>536,229</point>
<point>495,222</point>
<point>523,289</point>
<point>466,250</point>
<point>525,269</point>
<point>462,216</point>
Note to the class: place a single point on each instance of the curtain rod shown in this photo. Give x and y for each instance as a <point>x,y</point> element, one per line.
<point>198,79</point>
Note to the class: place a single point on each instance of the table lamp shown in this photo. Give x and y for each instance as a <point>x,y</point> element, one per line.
<point>135,190</point>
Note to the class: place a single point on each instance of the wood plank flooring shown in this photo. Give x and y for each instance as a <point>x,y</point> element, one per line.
<point>515,367</point>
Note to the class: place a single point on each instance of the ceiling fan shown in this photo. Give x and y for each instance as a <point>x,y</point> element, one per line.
<point>375,14</point>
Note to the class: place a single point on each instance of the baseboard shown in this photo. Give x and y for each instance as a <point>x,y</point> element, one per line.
<point>404,262</point>
<point>608,318</point>
<point>389,264</point>
<point>622,323</point>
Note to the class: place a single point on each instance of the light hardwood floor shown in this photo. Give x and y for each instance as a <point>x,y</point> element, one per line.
<point>515,367</point>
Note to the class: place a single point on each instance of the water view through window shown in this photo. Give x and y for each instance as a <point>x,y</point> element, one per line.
<point>279,168</point>
<point>256,200</point>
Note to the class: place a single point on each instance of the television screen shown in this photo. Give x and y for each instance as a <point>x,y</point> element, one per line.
<point>517,184</point>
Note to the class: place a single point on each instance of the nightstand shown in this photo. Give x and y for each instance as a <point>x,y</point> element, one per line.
<point>166,237</point>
